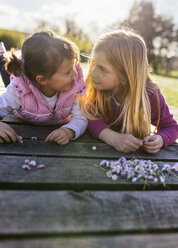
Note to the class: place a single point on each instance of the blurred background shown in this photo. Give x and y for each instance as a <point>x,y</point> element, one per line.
<point>83,21</point>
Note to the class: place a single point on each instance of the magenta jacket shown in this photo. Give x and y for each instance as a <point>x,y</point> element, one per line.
<point>167,127</point>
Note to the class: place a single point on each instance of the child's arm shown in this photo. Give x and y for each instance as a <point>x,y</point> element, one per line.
<point>121,142</point>
<point>72,130</point>
<point>167,128</point>
<point>9,101</point>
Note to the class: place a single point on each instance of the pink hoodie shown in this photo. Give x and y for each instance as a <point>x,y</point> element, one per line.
<point>34,107</point>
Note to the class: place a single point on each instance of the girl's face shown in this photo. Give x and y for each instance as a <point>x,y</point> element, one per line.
<point>103,74</point>
<point>61,80</point>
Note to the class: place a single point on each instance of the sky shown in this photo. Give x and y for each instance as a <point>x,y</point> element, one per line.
<point>93,16</point>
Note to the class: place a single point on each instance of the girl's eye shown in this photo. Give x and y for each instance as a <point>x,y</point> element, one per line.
<point>67,73</point>
<point>102,69</point>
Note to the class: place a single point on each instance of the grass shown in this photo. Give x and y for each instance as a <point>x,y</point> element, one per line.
<point>169,88</point>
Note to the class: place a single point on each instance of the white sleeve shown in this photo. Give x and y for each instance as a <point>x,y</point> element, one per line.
<point>78,123</point>
<point>9,101</point>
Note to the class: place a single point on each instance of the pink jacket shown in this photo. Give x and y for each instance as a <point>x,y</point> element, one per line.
<point>34,107</point>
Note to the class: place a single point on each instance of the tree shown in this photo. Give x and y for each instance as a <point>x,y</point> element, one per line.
<point>158,32</point>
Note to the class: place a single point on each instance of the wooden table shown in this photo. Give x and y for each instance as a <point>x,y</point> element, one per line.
<point>71,203</point>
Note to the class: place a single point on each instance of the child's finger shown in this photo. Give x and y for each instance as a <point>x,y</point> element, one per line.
<point>1,140</point>
<point>10,135</point>
<point>65,142</point>
<point>60,139</point>
<point>50,137</point>
<point>147,138</point>
<point>13,136</point>
<point>5,137</point>
<point>137,142</point>
<point>152,148</point>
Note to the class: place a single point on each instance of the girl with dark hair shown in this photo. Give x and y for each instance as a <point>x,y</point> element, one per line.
<point>44,86</point>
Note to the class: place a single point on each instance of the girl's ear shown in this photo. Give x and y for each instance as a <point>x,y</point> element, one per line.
<point>40,79</point>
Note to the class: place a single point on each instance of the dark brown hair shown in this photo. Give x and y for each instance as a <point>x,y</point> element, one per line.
<point>42,54</point>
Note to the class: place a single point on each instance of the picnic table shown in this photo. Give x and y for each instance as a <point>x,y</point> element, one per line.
<point>72,203</point>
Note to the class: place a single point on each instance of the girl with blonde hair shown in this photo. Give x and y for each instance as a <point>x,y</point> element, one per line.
<point>121,100</point>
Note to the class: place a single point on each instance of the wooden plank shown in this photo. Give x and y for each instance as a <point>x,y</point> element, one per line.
<point>114,241</point>
<point>68,212</point>
<point>67,174</point>
<point>77,149</point>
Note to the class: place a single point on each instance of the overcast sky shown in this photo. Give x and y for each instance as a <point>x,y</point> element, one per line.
<point>90,15</point>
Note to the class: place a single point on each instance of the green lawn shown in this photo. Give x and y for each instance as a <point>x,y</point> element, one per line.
<point>169,88</point>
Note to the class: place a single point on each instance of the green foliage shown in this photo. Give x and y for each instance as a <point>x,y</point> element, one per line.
<point>11,39</point>
<point>84,45</point>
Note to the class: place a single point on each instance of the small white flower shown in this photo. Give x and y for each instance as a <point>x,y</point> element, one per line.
<point>114,177</point>
<point>175,167</point>
<point>109,174</point>
<point>93,148</point>
<point>134,179</point>
<point>150,177</point>
<point>27,161</point>
<point>103,162</point>
<point>32,163</point>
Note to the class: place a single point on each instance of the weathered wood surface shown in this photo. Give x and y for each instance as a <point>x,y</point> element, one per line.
<point>83,150</point>
<point>68,174</point>
<point>106,241</point>
<point>71,203</point>
<point>69,212</point>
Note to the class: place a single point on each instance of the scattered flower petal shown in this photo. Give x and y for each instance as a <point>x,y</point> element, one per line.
<point>40,166</point>
<point>26,167</point>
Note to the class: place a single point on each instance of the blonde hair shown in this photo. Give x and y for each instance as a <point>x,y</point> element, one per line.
<point>126,52</point>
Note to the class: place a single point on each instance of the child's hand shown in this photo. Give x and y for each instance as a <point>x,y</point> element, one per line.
<point>152,144</point>
<point>7,134</point>
<point>126,143</point>
<point>61,136</point>
<point>121,142</point>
